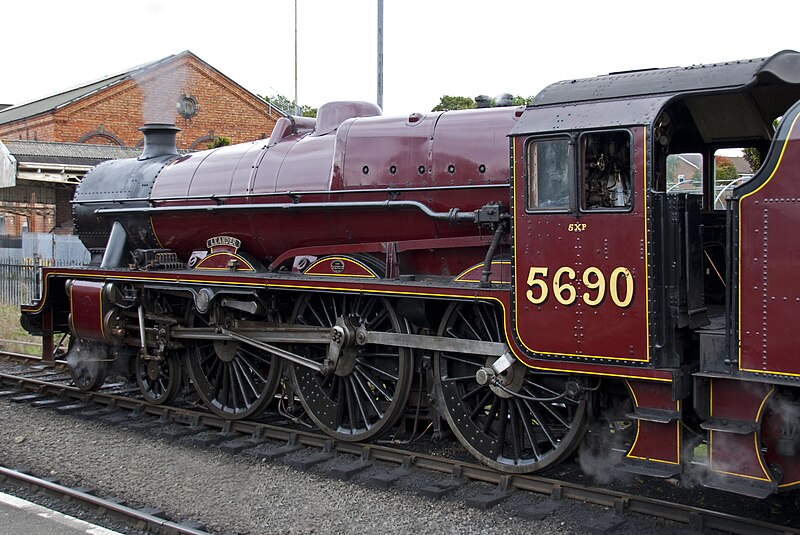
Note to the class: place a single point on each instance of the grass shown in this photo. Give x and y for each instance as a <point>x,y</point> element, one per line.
<point>11,331</point>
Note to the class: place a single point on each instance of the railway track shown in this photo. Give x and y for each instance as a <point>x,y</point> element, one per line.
<point>144,520</point>
<point>42,386</point>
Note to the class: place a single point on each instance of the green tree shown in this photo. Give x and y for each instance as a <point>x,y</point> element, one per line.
<point>220,141</point>
<point>449,102</point>
<point>753,157</point>
<point>287,106</point>
<point>725,170</point>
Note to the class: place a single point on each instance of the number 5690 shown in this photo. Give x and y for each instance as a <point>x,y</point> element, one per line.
<point>619,286</point>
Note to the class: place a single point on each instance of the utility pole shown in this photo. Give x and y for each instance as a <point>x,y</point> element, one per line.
<point>380,53</point>
<point>296,104</point>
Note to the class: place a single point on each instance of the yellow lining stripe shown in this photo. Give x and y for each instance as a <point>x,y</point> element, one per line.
<point>775,170</point>
<point>194,280</point>
<point>72,310</point>
<point>476,266</point>
<point>755,437</point>
<point>372,274</point>
<point>646,264</point>
<point>236,256</point>
<point>638,429</point>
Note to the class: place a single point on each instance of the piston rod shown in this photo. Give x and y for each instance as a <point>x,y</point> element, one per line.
<point>274,350</point>
<point>297,334</point>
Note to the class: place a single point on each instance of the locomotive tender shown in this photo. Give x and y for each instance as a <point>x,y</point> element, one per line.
<point>538,278</point>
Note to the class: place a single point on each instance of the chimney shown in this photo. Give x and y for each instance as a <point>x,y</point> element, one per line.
<point>159,140</point>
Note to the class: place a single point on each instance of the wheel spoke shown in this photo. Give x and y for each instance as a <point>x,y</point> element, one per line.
<point>354,389</point>
<point>351,409</point>
<point>236,382</point>
<point>509,433</point>
<point>367,396</point>
<point>529,431</point>
<point>542,424</point>
<point>490,417</point>
<point>379,371</point>
<point>459,379</point>
<point>376,384</point>
<point>549,392</point>
<point>488,332</point>
<point>469,326</point>
<point>244,379</point>
<point>244,358</point>
<point>546,406</point>
<point>471,392</point>
<point>480,407</point>
<point>515,446</point>
<point>465,360</point>
<point>501,433</point>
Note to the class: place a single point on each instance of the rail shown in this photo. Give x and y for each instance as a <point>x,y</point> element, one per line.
<point>695,517</point>
<point>133,517</point>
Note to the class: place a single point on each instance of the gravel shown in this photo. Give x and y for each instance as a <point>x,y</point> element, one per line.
<point>241,495</point>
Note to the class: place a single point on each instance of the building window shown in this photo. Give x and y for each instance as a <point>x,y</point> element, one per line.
<point>187,106</point>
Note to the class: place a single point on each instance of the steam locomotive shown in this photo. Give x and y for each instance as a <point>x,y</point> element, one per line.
<point>572,273</point>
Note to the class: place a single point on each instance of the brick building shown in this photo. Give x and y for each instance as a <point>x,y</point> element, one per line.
<point>181,89</point>
<point>38,179</point>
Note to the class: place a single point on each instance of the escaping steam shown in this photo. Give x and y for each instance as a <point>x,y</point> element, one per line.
<point>604,447</point>
<point>161,89</point>
<point>87,362</point>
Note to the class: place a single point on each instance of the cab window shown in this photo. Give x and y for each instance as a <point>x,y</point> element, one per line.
<point>731,169</point>
<point>606,171</point>
<point>685,173</point>
<point>548,171</point>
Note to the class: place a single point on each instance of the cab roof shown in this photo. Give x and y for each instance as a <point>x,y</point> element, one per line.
<point>748,94</point>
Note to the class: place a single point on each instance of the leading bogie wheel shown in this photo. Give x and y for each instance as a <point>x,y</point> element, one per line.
<point>522,422</point>
<point>159,377</point>
<point>367,392</point>
<point>87,363</point>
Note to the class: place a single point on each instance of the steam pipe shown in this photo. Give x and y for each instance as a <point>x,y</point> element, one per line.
<point>115,248</point>
<point>454,215</point>
<point>487,262</point>
<point>142,339</point>
<point>293,194</point>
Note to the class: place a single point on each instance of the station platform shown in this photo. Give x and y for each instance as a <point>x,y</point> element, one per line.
<point>18,516</point>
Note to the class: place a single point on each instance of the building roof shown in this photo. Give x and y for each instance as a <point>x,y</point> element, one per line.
<point>67,154</point>
<point>53,102</point>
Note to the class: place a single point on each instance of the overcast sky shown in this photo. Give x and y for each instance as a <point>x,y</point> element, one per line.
<point>431,47</point>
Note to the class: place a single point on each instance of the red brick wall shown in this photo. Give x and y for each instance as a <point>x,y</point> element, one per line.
<point>41,128</point>
<point>114,114</point>
<point>27,204</point>
<point>63,211</point>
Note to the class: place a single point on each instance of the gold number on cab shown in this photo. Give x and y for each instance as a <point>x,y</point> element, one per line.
<point>620,286</point>
<point>613,283</point>
<point>533,282</point>
<point>593,279</point>
<point>559,288</point>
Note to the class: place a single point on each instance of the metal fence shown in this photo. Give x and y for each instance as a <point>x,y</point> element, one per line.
<point>18,281</point>
<point>22,256</point>
<point>21,280</point>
